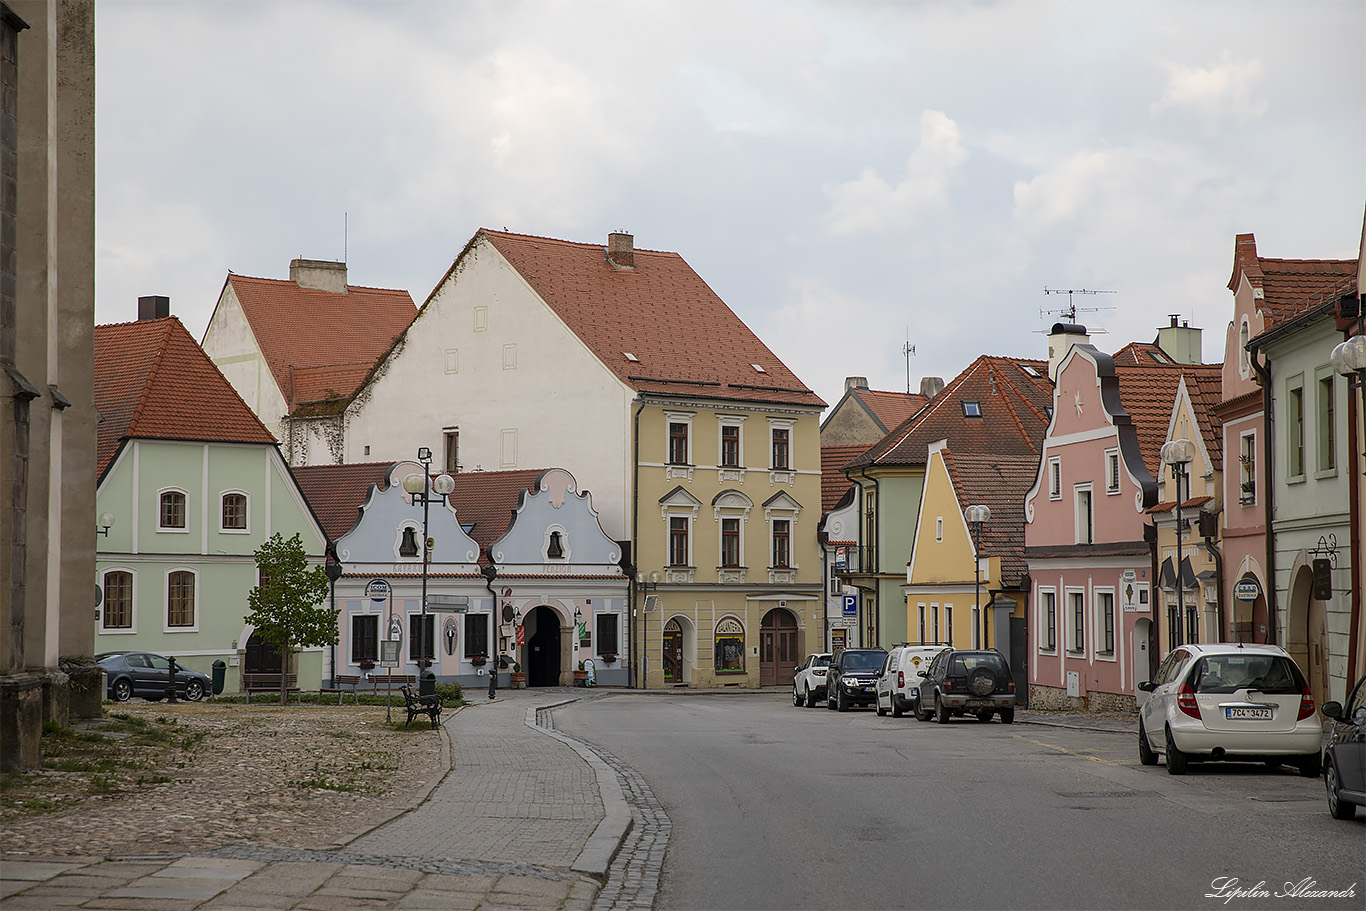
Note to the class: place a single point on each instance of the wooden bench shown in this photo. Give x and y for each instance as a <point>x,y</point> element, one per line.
<point>269,683</point>
<point>343,684</point>
<point>384,682</point>
<point>421,705</point>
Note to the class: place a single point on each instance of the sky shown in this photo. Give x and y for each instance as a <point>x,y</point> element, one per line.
<point>849,177</point>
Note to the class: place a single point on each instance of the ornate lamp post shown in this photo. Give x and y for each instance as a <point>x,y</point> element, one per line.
<point>334,572</point>
<point>1178,454</point>
<point>977,516</point>
<point>490,572</point>
<point>424,487</point>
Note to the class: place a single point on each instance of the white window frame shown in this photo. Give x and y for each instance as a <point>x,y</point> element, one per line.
<point>948,620</point>
<point>1073,611</point>
<point>1055,477</point>
<point>1326,413</point>
<point>166,600</point>
<point>168,529</point>
<point>791,428</point>
<point>668,540</point>
<point>737,422</point>
<point>564,544</point>
<point>938,529</point>
<point>1292,385</point>
<point>1096,596</point>
<point>1247,470</point>
<point>597,646</point>
<point>934,617</point>
<point>1045,606</point>
<point>132,607</point>
<point>1112,471</point>
<point>923,628</point>
<point>1244,356</point>
<point>231,531</point>
<point>380,632</point>
<point>1085,530</point>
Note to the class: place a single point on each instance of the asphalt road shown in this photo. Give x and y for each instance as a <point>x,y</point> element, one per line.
<point>779,807</point>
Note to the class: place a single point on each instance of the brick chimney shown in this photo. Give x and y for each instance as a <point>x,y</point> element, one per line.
<point>621,251</point>
<point>153,306</point>
<point>318,275</point>
<point>1061,340</point>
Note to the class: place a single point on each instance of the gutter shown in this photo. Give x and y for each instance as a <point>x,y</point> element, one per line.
<point>873,625</point>
<point>1269,454</point>
<point>635,524</point>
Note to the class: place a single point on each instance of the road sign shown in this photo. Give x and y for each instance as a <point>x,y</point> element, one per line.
<point>450,603</point>
<point>850,605</point>
<point>377,590</point>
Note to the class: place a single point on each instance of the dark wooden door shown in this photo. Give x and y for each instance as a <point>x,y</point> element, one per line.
<point>673,653</point>
<point>261,657</point>
<point>778,648</point>
<point>543,648</point>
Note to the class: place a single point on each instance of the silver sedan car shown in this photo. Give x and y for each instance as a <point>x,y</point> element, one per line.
<point>1229,701</point>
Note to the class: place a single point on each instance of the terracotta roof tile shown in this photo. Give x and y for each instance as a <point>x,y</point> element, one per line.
<point>305,328</point>
<point>153,381</point>
<point>834,482</point>
<point>1014,395</point>
<point>1289,286</point>
<point>686,340</point>
<point>1147,395</point>
<point>1000,484</point>
<point>891,408</point>
<point>484,498</point>
<point>1141,354</point>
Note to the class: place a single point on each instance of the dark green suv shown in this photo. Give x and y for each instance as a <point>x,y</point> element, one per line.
<point>852,678</point>
<point>967,681</point>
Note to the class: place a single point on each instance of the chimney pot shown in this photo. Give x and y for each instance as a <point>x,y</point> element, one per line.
<point>930,386</point>
<point>154,306</point>
<point>855,382</point>
<point>621,251</point>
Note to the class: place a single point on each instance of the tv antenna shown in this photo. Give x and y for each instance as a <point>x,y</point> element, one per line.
<point>1071,310</point>
<point>907,350</point>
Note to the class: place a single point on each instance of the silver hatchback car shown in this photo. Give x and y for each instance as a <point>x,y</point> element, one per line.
<point>1229,701</point>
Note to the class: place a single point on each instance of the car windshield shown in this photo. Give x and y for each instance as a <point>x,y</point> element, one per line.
<point>1228,673</point>
<point>863,661</point>
<point>962,664</point>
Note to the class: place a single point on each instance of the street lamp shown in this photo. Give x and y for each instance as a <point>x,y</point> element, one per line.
<point>490,572</point>
<point>977,516</point>
<point>646,584</point>
<point>1349,359</point>
<point>102,524</point>
<point>424,487</point>
<point>1179,454</point>
<point>334,572</point>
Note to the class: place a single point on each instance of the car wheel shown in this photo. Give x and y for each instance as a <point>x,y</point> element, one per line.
<point>1007,716</point>
<point>811,699</point>
<point>841,704</point>
<point>1337,807</point>
<point>916,710</point>
<point>829,699</point>
<point>1176,760</point>
<point>1146,754</point>
<point>122,690</point>
<point>897,710</point>
<point>1309,766</point>
<point>194,691</point>
<point>877,706</point>
<point>797,698</point>
<point>982,682</point>
<point>941,711</point>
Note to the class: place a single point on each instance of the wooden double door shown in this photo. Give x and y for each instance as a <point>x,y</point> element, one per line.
<point>779,648</point>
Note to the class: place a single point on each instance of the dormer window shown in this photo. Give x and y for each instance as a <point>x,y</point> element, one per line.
<point>972,409</point>
<point>555,550</point>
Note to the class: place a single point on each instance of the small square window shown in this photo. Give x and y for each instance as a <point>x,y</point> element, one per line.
<point>972,409</point>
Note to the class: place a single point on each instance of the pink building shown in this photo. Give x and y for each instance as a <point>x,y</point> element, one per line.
<point>1093,604</point>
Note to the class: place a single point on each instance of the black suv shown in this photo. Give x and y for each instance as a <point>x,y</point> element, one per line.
<point>960,681</point>
<point>851,678</point>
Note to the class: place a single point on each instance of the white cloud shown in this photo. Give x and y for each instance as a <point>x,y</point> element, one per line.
<point>870,204</point>
<point>1227,89</point>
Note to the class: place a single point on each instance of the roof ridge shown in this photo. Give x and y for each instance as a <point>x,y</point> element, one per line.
<point>290,281</point>
<point>571,243</point>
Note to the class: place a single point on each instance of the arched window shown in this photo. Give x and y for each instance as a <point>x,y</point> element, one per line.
<point>555,549</point>
<point>118,600</point>
<point>730,647</point>
<point>1244,356</point>
<point>172,514</point>
<point>180,592</point>
<point>234,513</point>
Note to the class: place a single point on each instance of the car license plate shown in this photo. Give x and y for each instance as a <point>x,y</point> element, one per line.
<point>1254,713</point>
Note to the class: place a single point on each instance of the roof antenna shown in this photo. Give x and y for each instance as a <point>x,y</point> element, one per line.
<point>1071,310</point>
<point>907,350</point>
<point>346,234</point>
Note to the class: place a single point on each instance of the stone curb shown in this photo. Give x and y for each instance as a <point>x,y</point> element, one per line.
<point>596,857</point>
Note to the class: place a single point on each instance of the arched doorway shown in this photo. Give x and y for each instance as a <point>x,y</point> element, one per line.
<point>673,652</point>
<point>1307,626</point>
<point>777,648</point>
<point>542,647</point>
<point>261,657</point>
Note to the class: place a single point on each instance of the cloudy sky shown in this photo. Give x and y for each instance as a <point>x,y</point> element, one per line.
<point>844,175</point>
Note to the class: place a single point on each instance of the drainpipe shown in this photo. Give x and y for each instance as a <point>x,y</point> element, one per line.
<point>877,522</point>
<point>635,549</point>
<point>824,539</point>
<point>1354,497</point>
<point>1263,372</point>
<point>1218,580</point>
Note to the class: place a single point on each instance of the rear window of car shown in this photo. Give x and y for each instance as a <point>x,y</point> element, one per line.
<point>963,664</point>
<point>1229,673</point>
<point>820,661</point>
<point>862,661</point>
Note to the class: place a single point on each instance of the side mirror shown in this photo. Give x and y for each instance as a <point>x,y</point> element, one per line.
<point>1332,710</point>
<point>1147,686</point>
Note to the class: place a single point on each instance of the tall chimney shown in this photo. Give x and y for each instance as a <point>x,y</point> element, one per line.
<point>855,382</point>
<point>1181,343</point>
<point>621,251</point>
<point>318,275</point>
<point>930,386</point>
<point>1060,341</point>
<point>153,306</point>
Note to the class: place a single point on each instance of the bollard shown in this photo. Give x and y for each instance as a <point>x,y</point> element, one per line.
<point>170,683</point>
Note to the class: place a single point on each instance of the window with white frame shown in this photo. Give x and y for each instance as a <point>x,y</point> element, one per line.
<point>782,443</point>
<point>1055,478</point>
<point>730,543</point>
<point>607,627</point>
<point>921,605</point>
<point>1325,415</point>
<point>1294,428</point>
<point>421,637</point>
<point>934,617</point>
<point>782,543</point>
<point>1048,620</point>
<point>1244,356</point>
<point>117,611</point>
<point>1076,613</point>
<point>938,529</point>
<point>171,515</point>
<point>181,587</point>
<point>948,621</point>
<point>678,437</point>
<point>731,448</point>
<point>233,512</point>
<point>1085,515</point>
<point>1105,622</point>
<point>1112,471</point>
<point>1247,468</point>
<point>678,540</point>
<point>364,638</point>
<point>476,635</point>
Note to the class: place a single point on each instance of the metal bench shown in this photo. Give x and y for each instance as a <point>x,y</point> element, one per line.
<point>421,705</point>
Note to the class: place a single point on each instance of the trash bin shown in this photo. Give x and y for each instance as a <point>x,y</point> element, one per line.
<point>220,673</point>
<point>426,684</point>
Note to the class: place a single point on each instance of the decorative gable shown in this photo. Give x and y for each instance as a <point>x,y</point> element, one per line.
<point>555,529</point>
<point>391,524</point>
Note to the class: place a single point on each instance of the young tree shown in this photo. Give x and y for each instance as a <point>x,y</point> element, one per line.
<point>289,605</point>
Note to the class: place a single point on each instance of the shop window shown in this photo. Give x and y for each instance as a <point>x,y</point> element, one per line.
<point>730,647</point>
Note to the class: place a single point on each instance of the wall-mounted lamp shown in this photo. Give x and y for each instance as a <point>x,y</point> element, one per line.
<point>102,524</point>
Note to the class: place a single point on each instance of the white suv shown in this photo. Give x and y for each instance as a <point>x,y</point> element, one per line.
<point>808,686</point>
<point>1229,701</point>
<point>897,684</point>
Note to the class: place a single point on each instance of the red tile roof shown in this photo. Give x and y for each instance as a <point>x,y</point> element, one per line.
<point>891,408</point>
<point>1289,286</point>
<point>684,337</point>
<point>484,498</point>
<point>1014,395</point>
<point>305,328</point>
<point>1148,394</point>
<point>834,482</point>
<point>153,381</point>
<point>1000,484</point>
<point>1141,354</point>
